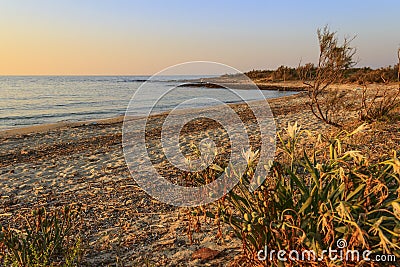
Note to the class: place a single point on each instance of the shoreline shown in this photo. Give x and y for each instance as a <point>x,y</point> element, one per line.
<point>45,127</point>
<point>41,128</point>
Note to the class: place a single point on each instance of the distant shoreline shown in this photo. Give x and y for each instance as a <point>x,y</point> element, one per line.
<point>261,86</point>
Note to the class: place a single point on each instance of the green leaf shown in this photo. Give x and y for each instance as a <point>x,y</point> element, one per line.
<point>313,171</point>
<point>355,192</point>
<point>308,201</point>
<point>300,184</point>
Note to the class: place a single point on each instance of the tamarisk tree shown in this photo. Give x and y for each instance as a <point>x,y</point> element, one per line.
<point>334,58</point>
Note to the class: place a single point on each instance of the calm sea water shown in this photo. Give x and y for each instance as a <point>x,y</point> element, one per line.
<point>31,100</point>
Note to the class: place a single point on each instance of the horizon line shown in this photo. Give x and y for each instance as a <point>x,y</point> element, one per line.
<point>254,69</point>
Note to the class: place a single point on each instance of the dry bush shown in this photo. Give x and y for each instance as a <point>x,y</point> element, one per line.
<point>382,102</point>
<point>334,59</point>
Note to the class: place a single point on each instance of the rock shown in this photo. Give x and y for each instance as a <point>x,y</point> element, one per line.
<point>205,254</point>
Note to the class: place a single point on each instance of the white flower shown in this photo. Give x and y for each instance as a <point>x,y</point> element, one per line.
<point>293,130</point>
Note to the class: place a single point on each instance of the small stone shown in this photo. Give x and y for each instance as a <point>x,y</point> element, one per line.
<point>205,254</point>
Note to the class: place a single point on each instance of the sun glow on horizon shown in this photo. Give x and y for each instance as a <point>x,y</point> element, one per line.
<point>141,38</point>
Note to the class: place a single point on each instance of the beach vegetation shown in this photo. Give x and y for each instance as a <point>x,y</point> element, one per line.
<point>313,197</point>
<point>42,239</point>
<point>355,75</point>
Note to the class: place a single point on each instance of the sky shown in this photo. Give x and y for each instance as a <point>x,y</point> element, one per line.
<point>115,37</point>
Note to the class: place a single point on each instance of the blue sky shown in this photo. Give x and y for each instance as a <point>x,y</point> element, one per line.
<point>143,37</point>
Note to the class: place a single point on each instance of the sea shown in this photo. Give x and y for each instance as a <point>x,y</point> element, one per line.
<point>33,100</point>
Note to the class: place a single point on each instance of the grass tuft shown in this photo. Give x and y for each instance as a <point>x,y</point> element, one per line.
<point>45,240</point>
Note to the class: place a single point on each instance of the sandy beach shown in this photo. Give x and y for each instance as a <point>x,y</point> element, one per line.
<point>199,133</point>
<point>83,163</point>
<point>59,164</point>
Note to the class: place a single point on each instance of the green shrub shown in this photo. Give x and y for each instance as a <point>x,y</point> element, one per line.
<point>44,240</point>
<point>313,198</point>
